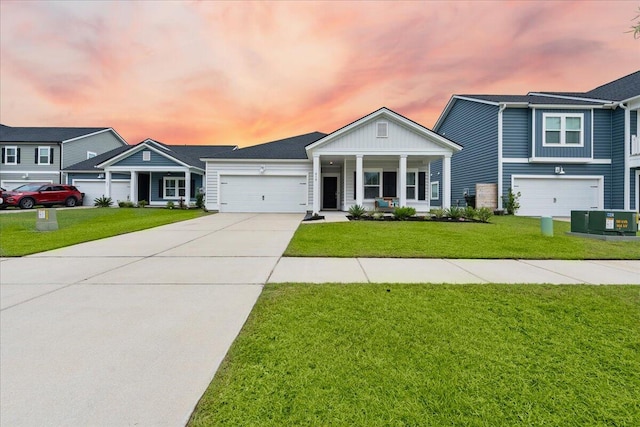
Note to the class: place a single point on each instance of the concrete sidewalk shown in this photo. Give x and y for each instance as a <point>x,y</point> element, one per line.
<point>390,270</point>
<point>130,330</point>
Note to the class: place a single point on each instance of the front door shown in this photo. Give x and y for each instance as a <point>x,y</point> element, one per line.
<point>389,186</point>
<point>330,192</point>
<point>144,181</point>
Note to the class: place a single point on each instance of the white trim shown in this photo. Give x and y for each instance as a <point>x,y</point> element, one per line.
<point>431,185</point>
<point>600,179</point>
<point>48,149</point>
<point>568,107</point>
<point>414,171</point>
<point>479,101</point>
<point>221,160</point>
<point>379,171</point>
<point>91,154</point>
<point>637,190</point>
<point>338,196</point>
<point>6,154</point>
<point>177,187</point>
<point>562,130</point>
<point>500,153</point>
<point>146,155</point>
<point>51,172</point>
<point>627,155</point>
<point>97,133</point>
<point>574,98</point>
<point>135,150</point>
<point>151,168</point>
<point>533,132</point>
<point>382,129</point>
<point>579,160</point>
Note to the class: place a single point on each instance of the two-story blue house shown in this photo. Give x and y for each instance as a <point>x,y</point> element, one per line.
<point>559,150</point>
<point>40,154</point>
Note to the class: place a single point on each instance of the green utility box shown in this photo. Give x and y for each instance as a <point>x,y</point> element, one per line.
<point>611,222</point>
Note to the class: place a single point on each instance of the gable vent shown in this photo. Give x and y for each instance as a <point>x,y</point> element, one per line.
<point>382,130</point>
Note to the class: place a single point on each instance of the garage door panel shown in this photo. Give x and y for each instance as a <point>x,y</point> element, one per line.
<point>556,196</point>
<point>263,193</point>
<point>120,190</point>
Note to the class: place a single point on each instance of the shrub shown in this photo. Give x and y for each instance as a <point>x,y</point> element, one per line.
<point>142,203</point>
<point>454,212</point>
<point>125,204</point>
<point>170,205</point>
<point>438,213</point>
<point>404,212</point>
<point>357,211</point>
<point>102,202</point>
<point>511,202</point>
<point>377,215</point>
<point>200,200</point>
<point>470,213</point>
<point>484,214</point>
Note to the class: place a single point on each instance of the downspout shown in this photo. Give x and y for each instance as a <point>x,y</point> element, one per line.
<point>61,173</point>
<point>502,107</point>
<point>627,150</point>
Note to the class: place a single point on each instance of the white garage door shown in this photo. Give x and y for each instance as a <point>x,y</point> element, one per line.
<point>553,196</point>
<point>93,189</point>
<point>263,193</point>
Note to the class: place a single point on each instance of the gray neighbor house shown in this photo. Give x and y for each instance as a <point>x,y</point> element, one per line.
<point>560,150</point>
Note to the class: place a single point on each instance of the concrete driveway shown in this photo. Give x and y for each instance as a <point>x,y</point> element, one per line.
<point>130,330</point>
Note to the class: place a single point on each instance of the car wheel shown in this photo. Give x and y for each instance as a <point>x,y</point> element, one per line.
<point>26,203</point>
<point>70,202</point>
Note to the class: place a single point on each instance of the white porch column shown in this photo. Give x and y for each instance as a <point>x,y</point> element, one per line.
<point>133,189</point>
<point>316,183</point>
<point>446,182</point>
<point>359,183</point>
<point>403,180</point>
<point>187,188</point>
<point>107,183</point>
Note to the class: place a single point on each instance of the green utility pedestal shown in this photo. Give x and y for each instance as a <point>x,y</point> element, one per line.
<point>546,226</point>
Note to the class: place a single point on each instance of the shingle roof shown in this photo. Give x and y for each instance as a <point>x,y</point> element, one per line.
<point>189,154</point>
<point>531,99</point>
<point>43,134</point>
<point>618,90</point>
<point>286,149</point>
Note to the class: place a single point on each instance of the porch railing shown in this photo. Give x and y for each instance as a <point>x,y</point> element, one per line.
<point>635,145</point>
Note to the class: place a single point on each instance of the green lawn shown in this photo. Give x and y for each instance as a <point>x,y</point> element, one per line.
<point>18,234</point>
<point>505,237</point>
<point>473,355</point>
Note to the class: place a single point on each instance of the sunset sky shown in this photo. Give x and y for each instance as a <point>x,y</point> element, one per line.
<point>249,72</point>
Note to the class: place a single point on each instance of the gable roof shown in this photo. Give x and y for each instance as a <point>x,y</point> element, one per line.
<point>285,149</point>
<point>48,134</point>
<point>186,154</point>
<point>624,88</point>
<point>384,111</point>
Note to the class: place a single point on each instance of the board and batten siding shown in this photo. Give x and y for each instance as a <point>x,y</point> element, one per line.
<point>510,169</point>
<point>474,126</point>
<point>516,133</point>
<point>157,160</point>
<point>362,139</point>
<point>563,151</point>
<point>76,151</point>
<point>217,168</point>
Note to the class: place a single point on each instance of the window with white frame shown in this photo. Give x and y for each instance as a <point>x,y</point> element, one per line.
<point>173,187</point>
<point>563,129</point>
<point>382,130</point>
<point>43,157</point>
<point>435,190</point>
<point>91,154</point>
<point>10,155</point>
<point>412,185</point>
<point>372,184</point>
<point>146,156</point>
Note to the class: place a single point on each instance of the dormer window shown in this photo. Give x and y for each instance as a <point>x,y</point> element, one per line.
<point>146,156</point>
<point>382,130</point>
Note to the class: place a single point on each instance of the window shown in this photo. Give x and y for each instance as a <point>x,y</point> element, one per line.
<point>562,129</point>
<point>146,156</point>
<point>372,185</point>
<point>435,190</point>
<point>382,130</point>
<point>43,156</point>
<point>91,154</point>
<point>411,185</point>
<point>173,188</point>
<point>11,155</point>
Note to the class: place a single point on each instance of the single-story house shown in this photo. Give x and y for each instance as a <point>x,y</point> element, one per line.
<point>382,154</point>
<point>150,171</point>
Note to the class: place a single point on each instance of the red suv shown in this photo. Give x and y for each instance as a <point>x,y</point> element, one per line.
<point>28,195</point>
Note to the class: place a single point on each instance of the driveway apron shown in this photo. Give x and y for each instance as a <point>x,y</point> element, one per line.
<point>130,330</point>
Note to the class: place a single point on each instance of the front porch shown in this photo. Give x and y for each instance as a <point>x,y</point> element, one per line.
<point>340,182</point>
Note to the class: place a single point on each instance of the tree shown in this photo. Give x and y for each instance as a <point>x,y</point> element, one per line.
<point>635,29</point>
